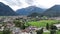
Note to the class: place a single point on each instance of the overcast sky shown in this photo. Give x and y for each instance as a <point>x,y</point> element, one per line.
<point>16,4</point>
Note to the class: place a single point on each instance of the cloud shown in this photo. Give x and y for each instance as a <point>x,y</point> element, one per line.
<point>15,4</point>
<point>19,2</point>
<point>30,2</point>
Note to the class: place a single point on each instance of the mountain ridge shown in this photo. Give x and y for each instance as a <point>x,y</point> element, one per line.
<point>5,10</point>
<point>53,11</point>
<point>29,10</point>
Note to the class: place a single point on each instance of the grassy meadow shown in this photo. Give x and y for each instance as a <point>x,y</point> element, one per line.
<point>42,23</point>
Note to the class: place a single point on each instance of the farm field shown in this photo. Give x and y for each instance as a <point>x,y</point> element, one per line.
<point>42,23</point>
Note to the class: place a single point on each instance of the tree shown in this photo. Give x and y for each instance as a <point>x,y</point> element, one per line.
<point>47,26</point>
<point>20,24</point>
<point>53,29</point>
<point>45,17</point>
<point>23,26</point>
<point>34,14</point>
<point>6,31</point>
<point>17,23</point>
<point>40,31</point>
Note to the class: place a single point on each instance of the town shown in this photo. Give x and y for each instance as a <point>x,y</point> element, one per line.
<point>29,25</point>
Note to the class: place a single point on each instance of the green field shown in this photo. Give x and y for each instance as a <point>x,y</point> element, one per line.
<point>0,32</point>
<point>46,33</point>
<point>42,23</point>
<point>57,32</point>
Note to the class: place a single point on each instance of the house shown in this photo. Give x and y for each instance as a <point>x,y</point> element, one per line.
<point>10,24</point>
<point>58,26</point>
<point>16,30</point>
<point>1,27</point>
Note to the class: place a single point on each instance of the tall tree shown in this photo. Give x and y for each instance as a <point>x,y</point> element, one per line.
<point>47,26</point>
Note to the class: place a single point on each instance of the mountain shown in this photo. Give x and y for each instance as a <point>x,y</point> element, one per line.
<point>34,14</point>
<point>5,10</point>
<point>29,10</point>
<point>53,11</point>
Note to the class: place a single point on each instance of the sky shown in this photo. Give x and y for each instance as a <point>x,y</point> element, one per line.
<point>18,4</point>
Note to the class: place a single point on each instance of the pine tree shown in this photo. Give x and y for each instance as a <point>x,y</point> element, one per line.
<point>47,26</point>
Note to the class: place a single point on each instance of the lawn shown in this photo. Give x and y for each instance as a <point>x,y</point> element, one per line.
<point>57,32</point>
<point>46,33</point>
<point>0,32</point>
<point>42,23</point>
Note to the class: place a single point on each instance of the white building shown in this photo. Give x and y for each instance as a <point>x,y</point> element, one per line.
<point>1,27</point>
<point>16,30</point>
<point>57,25</point>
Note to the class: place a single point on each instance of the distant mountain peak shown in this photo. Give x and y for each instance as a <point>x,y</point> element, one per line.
<point>29,10</point>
